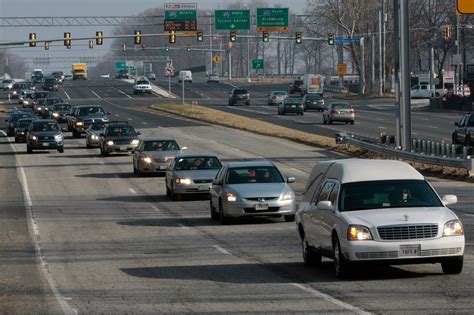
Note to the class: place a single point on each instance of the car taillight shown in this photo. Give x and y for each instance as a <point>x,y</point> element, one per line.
<point>334,112</point>
<point>351,111</point>
<point>247,95</point>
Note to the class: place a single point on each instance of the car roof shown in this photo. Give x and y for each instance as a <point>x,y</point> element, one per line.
<point>159,139</point>
<point>44,120</point>
<point>360,170</point>
<point>196,154</point>
<point>249,164</point>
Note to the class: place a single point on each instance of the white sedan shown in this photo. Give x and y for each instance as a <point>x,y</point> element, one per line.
<point>142,86</point>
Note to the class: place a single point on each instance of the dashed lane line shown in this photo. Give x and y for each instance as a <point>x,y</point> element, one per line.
<point>98,96</point>
<point>222,250</point>
<point>124,93</point>
<point>133,191</point>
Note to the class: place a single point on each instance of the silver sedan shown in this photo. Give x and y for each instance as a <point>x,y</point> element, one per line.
<point>191,174</point>
<point>154,155</point>
<point>93,133</point>
<point>276,97</point>
<point>251,189</point>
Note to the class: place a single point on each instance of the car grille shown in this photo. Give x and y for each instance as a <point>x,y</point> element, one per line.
<point>424,253</point>
<point>407,232</point>
<point>202,181</point>
<point>45,138</point>
<point>270,209</point>
<point>259,198</point>
<point>119,142</point>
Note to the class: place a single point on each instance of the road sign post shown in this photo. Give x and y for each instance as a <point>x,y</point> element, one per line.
<point>257,64</point>
<point>232,19</point>
<point>272,19</point>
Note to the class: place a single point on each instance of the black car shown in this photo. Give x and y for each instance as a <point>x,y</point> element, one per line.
<point>84,115</point>
<point>239,96</point>
<point>291,105</point>
<point>13,119</point>
<point>464,131</point>
<point>118,137</point>
<point>39,95</point>
<point>122,74</point>
<point>313,101</point>
<point>295,87</point>
<point>37,78</point>
<point>44,134</point>
<point>49,103</point>
<point>60,111</point>
<point>19,87</point>
<point>20,129</point>
<point>59,76</point>
<point>50,84</point>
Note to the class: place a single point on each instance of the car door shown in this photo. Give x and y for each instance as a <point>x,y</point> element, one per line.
<point>461,129</point>
<point>216,190</point>
<point>415,91</point>
<point>329,218</point>
<point>314,227</point>
<point>169,175</point>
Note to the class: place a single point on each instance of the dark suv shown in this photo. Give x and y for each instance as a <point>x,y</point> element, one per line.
<point>44,134</point>
<point>50,84</point>
<point>239,96</point>
<point>84,115</point>
<point>464,131</point>
<point>122,74</point>
<point>13,119</point>
<point>295,87</point>
<point>118,137</point>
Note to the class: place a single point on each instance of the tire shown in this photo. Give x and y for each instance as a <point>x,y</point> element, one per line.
<point>341,266</point>
<point>453,266</point>
<point>289,218</point>
<point>16,140</point>
<point>330,121</point>
<point>61,150</point>
<point>135,171</point>
<point>283,113</point>
<point>325,121</point>
<point>75,134</point>
<point>222,218</point>
<point>175,196</point>
<point>214,214</point>
<point>168,191</point>
<point>69,127</point>
<point>455,138</point>
<point>247,104</point>
<point>301,114</point>
<point>352,122</point>
<point>103,153</point>
<point>310,257</point>
<point>29,150</point>
<point>468,141</point>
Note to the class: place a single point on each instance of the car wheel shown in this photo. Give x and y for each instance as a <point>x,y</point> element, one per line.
<point>330,121</point>
<point>222,218</point>
<point>175,196</point>
<point>75,134</point>
<point>214,214</point>
<point>16,140</point>
<point>325,121</point>
<point>135,171</point>
<point>69,128</point>
<point>248,104</point>
<point>168,191</point>
<point>301,114</point>
<point>455,138</point>
<point>341,266</point>
<point>29,150</point>
<point>61,149</point>
<point>453,266</point>
<point>310,257</point>
<point>352,122</point>
<point>283,113</point>
<point>468,140</point>
<point>103,152</point>
<point>289,217</point>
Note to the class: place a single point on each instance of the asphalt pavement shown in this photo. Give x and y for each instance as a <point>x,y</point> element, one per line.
<point>114,243</point>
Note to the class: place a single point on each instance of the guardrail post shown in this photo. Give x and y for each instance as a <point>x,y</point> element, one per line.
<point>464,152</point>
<point>438,148</point>
<point>433,148</point>
<point>443,149</point>
<point>453,150</point>
<point>423,146</point>
<point>414,146</point>
<point>418,145</point>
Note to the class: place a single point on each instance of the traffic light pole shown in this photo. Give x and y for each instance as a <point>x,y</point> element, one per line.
<point>396,28</point>
<point>405,75</point>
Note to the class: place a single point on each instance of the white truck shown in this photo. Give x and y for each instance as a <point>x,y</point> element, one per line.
<point>425,91</point>
<point>312,83</point>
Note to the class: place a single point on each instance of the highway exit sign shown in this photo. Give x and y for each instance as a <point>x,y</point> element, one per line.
<point>272,19</point>
<point>465,6</point>
<point>232,19</point>
<point>257,63</point>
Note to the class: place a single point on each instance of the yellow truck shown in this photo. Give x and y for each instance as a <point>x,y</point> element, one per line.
<point>79,71</point>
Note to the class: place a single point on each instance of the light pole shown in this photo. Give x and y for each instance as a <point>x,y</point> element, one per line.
<point>210,39</point>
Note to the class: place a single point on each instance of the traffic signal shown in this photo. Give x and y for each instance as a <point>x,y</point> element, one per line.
<point>331,39</point>
<point>447,32</point>
<point>124,47</point>
<point>199,36</point>
<point>98,38</point>
<point>46,46</point>
<point>67,39</point>
<point>233,36</point>
<point>298,37</point>
<point>33,39</point>
<point>167,48</point>
<point>91,44</point>
<point>265,36</point>
<point>188,48</point>
<point>138,38</point>
<point>172,38</point>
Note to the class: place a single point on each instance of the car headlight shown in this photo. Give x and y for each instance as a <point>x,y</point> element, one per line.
<point>110,142</point>
<point>147,159</point>
<point>94,137</point>
<point>358,233</point>
<point>453,228</point>
<point>79,123</point>
<point>26,102</point>
<point>58,138</point>
<point>231,197</point>
<point>289,195</point>
<point>55,115</point>
<point>135,142</point>
<point>183,181</point>
<point>34,138</point>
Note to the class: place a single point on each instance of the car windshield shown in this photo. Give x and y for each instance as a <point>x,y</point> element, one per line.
<point>60,107</point>
<point>119,131</point>
<point>293,100</point>
<point>88,111</point>
<point>23,123</point>
<point>16,117</point>
<point>315,97</point>
<point>341,106</point>
<point>241,91</point>
<point>254,175</point>
<point>143,82</point>
<point>45,126</point>
<point>387,194</point>
<point>39,95</point>
<point>198,163</point>
<point>160,145</point>
<point>298,82</point>
<point>97,125</point>
<point>279,93</point>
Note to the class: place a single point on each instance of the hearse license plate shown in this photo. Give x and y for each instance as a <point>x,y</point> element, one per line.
<point>409,250</point>
<point>46,144</point>
<point>203,187</point>
<point>261,206</point>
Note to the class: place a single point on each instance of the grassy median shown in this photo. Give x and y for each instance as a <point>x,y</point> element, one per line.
<point>248,124</point>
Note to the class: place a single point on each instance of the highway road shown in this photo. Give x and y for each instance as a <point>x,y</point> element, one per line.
<point>109,242</point>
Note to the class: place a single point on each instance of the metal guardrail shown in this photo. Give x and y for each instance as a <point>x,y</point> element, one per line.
<point>335,89</point>
<point>429,152</point>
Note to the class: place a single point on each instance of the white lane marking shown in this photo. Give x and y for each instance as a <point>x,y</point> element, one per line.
<point>124,93</point>
<point>381,127</point>
<point>67,95</point>
<point>329,298</point>
<point>116,115</point>
<point>220,249</point>
<point>130,119</point>
<point>33,226</point>
<point>98,96</point>
<point>145,123</point>
<point>155,208</point>
<point>133,191</point>
<point>184,227</point>
<point>433,127</point>
<point>4,133</point>
<point>469,214</point>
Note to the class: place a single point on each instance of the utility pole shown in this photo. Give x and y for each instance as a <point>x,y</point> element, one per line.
<point>248,56</point>
<point>405,75</point>
<point>230,64</point>
<point>362,67</point>
<point>372,63</point>
<point>210,43</point>
<point>381,79</point>
<point>396,28</point>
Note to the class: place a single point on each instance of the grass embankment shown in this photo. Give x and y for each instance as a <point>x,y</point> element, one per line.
<point>248,124</point>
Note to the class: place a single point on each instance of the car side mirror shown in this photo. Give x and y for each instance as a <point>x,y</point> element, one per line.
<point>456,124</point>
<point>216,182</point>
<point>109,113</point>
<point>139,132</point>
<point>290,180</point>
<point>27,130</point>
<point>64,129</point>
<point>325,205</point>
<point>449,199</point>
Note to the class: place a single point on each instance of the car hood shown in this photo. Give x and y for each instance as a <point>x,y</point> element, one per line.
<point>259,190</point>
<point>102,117</point>
<point>122,138</point>
<point>45,133</point>
<point>399,216</point>
<point>161,154</point>
<point>197,174</point>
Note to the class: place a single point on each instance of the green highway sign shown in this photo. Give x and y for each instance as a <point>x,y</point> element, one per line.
<point>180,15</point>
<point>232,19</point>
<point>272,19</point>
<point>257,63</point>
<point>120,65</point>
